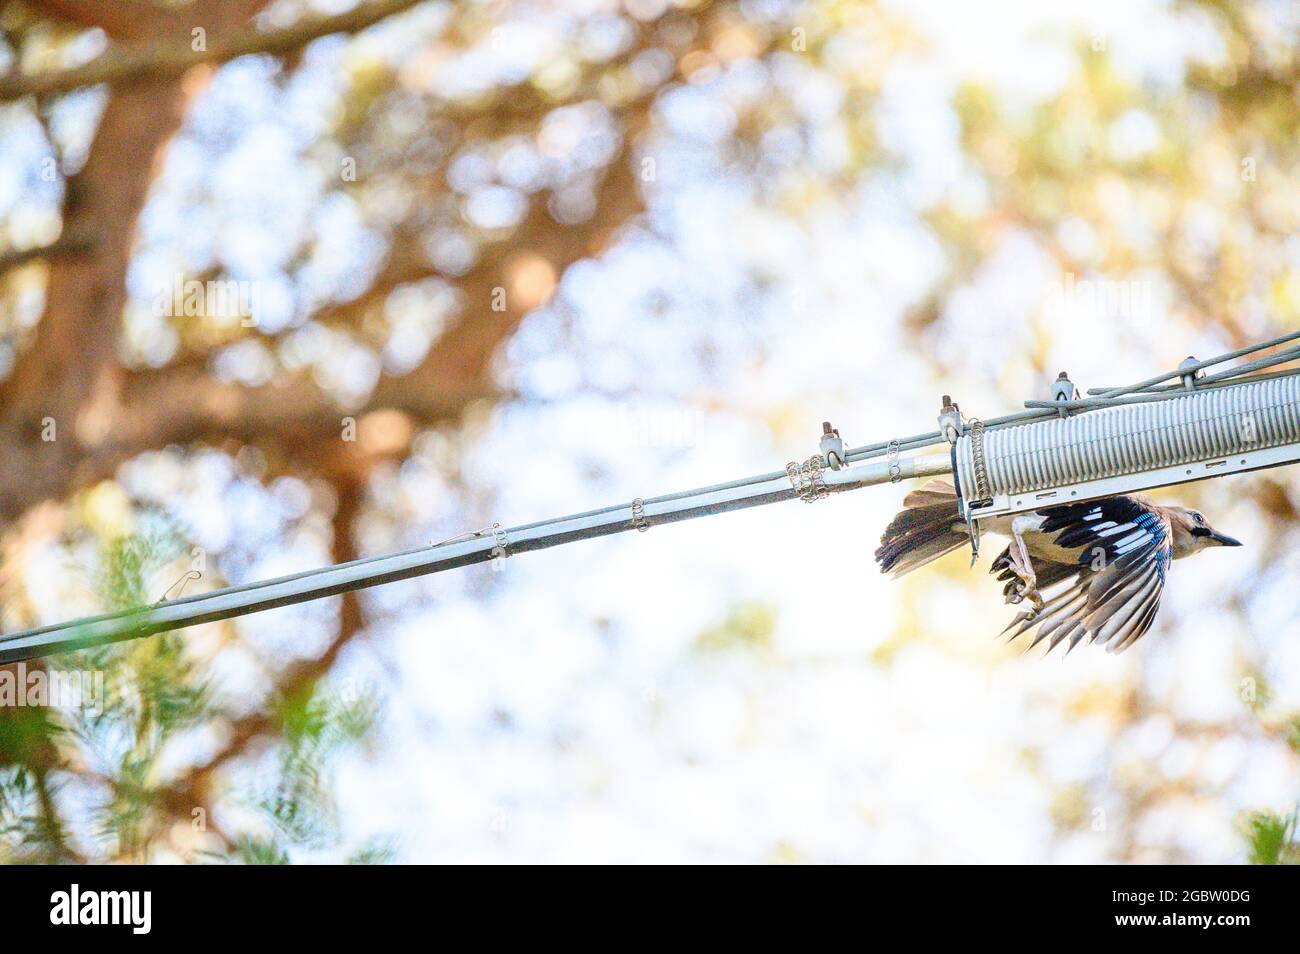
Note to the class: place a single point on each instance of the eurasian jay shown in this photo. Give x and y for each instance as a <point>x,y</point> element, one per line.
<point>1102,563</point>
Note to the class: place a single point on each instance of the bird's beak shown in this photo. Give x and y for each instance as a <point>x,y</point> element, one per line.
<point>1223,540</point>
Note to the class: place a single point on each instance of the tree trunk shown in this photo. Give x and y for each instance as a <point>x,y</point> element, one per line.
<point>63,388</point>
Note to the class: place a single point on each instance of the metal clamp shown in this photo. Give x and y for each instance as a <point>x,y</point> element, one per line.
<point>1063,390</point>
<point>639,521</point>
<point>832,446</point>
<point>950,420</point>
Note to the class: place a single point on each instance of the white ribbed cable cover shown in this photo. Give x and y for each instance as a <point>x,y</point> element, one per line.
<point>1199,427</point>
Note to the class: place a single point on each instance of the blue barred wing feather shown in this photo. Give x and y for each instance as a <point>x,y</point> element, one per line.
<point>1124,552</point>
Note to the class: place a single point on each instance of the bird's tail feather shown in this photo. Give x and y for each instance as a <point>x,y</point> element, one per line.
<point>929,527</point>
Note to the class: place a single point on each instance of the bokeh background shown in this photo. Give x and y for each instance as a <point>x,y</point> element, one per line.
<point>466,262</point>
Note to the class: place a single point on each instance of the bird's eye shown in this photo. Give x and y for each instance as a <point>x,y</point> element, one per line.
<point>1199,518</point>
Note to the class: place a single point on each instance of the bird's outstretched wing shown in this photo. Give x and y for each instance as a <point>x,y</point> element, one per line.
<point>1124,553</point>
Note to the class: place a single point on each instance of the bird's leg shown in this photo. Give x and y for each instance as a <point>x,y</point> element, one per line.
<point>1024,566</point>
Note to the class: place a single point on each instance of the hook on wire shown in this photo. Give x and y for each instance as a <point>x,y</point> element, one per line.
<point>184,578</point>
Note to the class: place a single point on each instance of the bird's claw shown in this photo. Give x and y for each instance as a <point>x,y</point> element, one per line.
<point>1024,590</point>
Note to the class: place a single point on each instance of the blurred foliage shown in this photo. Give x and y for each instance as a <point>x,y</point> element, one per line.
<point>314,727</point>
<point>1272,838</point>
<point>106,760</point>
<point>749,626</point>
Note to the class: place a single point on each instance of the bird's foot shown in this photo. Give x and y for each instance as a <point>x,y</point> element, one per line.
<point>1026,590</point>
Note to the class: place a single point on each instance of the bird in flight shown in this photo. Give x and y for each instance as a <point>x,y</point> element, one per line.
<point>1094,569</point>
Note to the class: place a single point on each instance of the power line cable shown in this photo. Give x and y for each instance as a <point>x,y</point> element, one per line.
<point>818,477</point>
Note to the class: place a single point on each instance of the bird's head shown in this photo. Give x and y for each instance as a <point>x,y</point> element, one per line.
<point>1192,533</point>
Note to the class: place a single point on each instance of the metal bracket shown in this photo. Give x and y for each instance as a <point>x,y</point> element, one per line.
<point>1009,504</point>
<point>973,531</point>
<point>951,427</point>
<point>1189,373</point>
